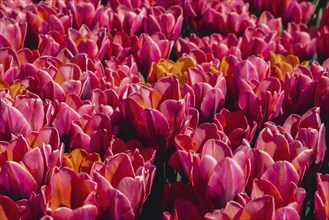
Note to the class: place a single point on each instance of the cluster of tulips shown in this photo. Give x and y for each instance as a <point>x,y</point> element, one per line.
<point>173,109</point>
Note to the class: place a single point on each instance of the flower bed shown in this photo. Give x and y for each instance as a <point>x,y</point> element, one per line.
<point>180,109</point>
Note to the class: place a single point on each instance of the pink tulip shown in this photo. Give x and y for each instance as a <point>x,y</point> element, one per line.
<point>193,141</point>
<point>161,110</point>
<point>258,40</point>
<point>120,74</point>
<point>322,44</point>
<point>209,91</point>
<point>63,118</point>
<point>291,10</point>
<point>279,147</point>
<point>20,185</point>
<point>29,107</point>
<point>169,22</point>
<point>127,187</point>
<point>262,103</point>
<point>321,197</point>
<point>262,207</point>
<point>92,133</point>
<point>148,49</point>
<point>309,131</point>
<point>70,195</point>
<point>284,189</point>
<point>43,19</point>
<point>238,71</point>
<point>93,43</point>
<point>12,122</point>
<point>119,46</point>
<point>206,49</point>
<point>85,13</point>
<point>9,64</point>
<point>224,18</point>
<point>321,95</point>
<point>297,40</point>
<point>9,30</point>
<point>50,44</point>
<point>299,90</point>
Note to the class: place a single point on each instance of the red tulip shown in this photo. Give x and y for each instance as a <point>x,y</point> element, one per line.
<point>234,125</point>
<point>9,209</point>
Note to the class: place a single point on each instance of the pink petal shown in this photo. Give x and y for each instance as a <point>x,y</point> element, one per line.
<point>16,181</point>
<point>226,182</point>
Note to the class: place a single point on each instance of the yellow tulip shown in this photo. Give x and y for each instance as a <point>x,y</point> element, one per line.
<point>167,68</point>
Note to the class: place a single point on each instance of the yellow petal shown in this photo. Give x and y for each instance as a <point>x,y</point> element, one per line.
<point>17,89</point>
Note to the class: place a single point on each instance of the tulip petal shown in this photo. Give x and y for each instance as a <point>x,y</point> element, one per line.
<point>226,182</point>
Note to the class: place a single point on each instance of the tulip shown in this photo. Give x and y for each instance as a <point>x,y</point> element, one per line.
<point>262,103</point>
<point>169,22</point>
<point>20,184</point>
<point>224,18</point>
<point>120,74</point>
<point>119,46</point>
<point>68,195</point>
<point>50,44</point>
<point>206,135</point>
<point>92,133</point>
<point>43,19</point>
<point>309,131</point>
<point>85,13</point>
<point>282,66</point>
<point>291,10</point>
<point>209,90</point>
<point>206,49</point>
<point>167,67</point>
<point>281,147</point>
<point>258,40</point>
<point>262,207</point>
<point>9,209</point>
<point>9,64</point>
<point>29,106</point>
<point>322,44</point>
<point>161,110</point>
<point>129,21</point>
<point>297,40</point>
<point>12,121</point>
<point>321,95</point>
<point>235,126</point>
<point>236,71</point>
<point>63,118</point>
<point>80,160</point>
<point>148,49</point>
<point>9,30</point>
<point>127,187</point>
<point>93,43</point>
<point>321,196</point>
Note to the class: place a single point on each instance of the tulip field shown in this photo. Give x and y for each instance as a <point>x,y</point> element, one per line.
<point>164,109</point>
